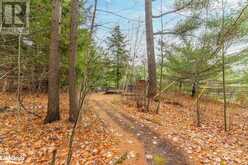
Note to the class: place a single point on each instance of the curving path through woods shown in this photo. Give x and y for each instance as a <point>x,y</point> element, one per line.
<point>154,146</point>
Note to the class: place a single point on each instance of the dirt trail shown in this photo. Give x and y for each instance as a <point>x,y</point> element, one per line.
<point>129,143</point>
<point>155,148</point>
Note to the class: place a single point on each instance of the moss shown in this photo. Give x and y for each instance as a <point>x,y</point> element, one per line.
<point>159,160</point>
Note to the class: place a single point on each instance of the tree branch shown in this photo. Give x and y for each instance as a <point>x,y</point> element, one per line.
<point>174,11</point>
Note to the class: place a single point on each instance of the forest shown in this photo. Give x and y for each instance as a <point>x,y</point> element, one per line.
<point>124,82</point>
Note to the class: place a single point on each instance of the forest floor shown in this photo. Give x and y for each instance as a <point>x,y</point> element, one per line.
<point>176,123</point>
<point>24,139</point>
<point>113,131</point>
<point>156,150</point>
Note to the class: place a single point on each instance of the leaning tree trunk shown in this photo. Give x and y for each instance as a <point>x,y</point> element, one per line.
<point>73,100</point>
<point>53,71</point>
<point>152,89</point>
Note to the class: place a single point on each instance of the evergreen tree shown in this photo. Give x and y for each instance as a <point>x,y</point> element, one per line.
<point>192,64</point>
<point>118,55</point>
<point>198,57</point>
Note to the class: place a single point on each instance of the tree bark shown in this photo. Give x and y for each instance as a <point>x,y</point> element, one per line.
<point>162,57</point>
<point>83,93</point>
<point>152,89</point>
<point>73,98</point>
<point>53,71</point>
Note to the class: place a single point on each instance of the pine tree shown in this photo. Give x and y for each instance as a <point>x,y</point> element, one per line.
<point>53,73</point>
<point>192,64</point>
<point>152,87</point>
<point>73,100</point>
<point>118,56</point>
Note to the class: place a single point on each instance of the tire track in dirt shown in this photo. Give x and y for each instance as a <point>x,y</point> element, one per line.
<point>128,143</point>
<point>154,146</point>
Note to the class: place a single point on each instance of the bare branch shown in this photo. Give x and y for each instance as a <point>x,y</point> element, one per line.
<point>174,11</point>
<point>165,33</point>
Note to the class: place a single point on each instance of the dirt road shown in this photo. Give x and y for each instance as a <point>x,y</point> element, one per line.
<point>150,147</point>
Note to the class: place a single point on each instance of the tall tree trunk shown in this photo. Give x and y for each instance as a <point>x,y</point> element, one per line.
<point>152,89</point>
<point>53,72</point>
<point>73,98</point>
<point>162,56</point>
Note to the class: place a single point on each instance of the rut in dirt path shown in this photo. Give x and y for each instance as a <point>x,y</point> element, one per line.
<point>155,146</point>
